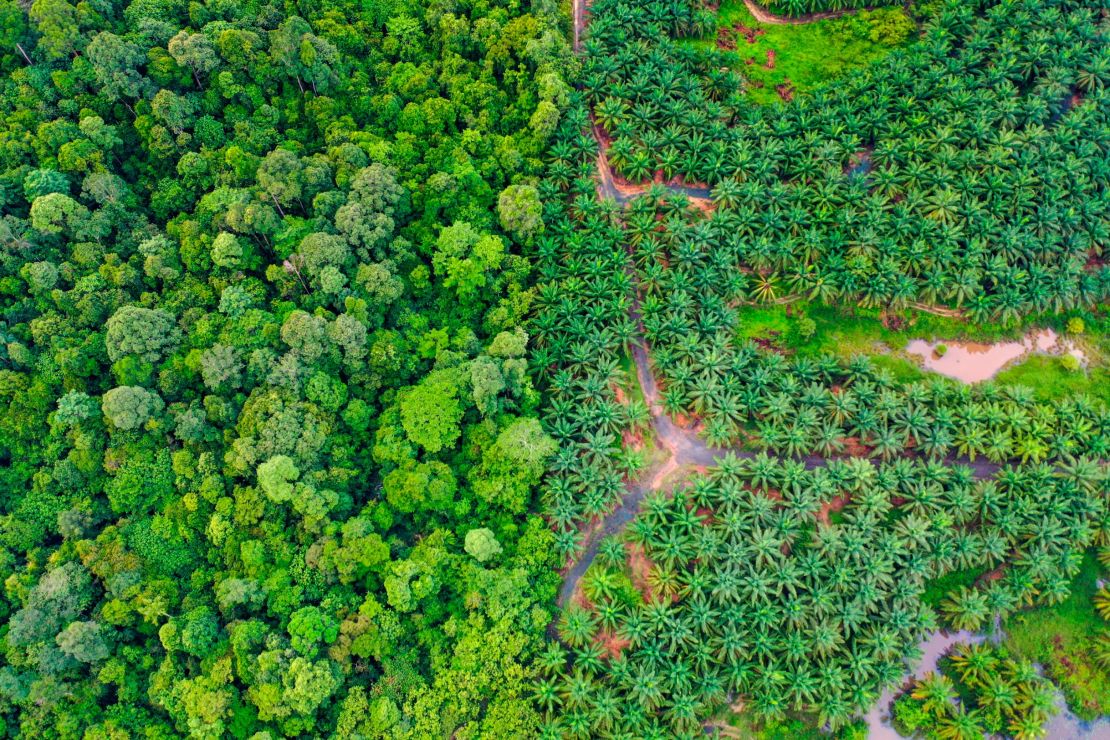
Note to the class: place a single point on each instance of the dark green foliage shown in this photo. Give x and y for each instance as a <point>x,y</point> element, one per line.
<point>693,272</point>
<point>981,691</point>
<point>262,370</point>
<point>1071,641</point>
<point>757,586</point>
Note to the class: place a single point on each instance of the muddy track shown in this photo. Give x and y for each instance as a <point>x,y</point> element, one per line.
<point>623,193</point>
<point>685,450</point>
<point>762,15</point>
<point>579,8</point>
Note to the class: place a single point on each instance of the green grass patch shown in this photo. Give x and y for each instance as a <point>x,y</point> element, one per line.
<point>810,54</point>
<point>846,332</point>
<point>1096,330</point>
<point>1051,380</point>
<point>903,370</point>
<point>1060,638</point>
<point>792,728</point>
<point>938,588</point>
<point>632,385</point>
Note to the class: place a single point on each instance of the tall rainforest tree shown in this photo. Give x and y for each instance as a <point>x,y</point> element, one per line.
<point>268,436</point>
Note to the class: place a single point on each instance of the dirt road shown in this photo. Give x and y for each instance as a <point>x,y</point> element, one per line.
<point>762,15</point>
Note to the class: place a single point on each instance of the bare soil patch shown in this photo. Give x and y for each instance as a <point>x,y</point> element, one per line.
<point>632,440</point>
<point>705,205</point>
<point>891,321</point>
<point>772,493</point>
<point>854,447</point>
<point>660,477</point>
<point>770,343</point>
<point>622,397</point>
<point>991,576</point>
<point>729,37</point>
<point>612,644</point>
<point>640,568</point>
<point>829,507</point>
<point>579,598</point>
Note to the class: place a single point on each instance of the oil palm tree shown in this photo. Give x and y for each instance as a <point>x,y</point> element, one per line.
<point>936,692</point>
<point>1102,602</point>
<point>960,724</point>
<point>577,626</point>
<point>965,608</point>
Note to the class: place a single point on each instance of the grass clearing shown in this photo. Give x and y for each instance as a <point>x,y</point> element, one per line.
<point>635,392</point>
<point>632,383</point>
<point>807,55</point>
<point>1051,380</point>
<point>743,725</point>
<point>862,331</point>
<point>1059,638</point>
<point>903,370</point>
<point>847,332</point>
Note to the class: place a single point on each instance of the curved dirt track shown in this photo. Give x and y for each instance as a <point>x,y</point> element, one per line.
<point>579,21</point>
<point>607,186</point>
<point>762,15</point>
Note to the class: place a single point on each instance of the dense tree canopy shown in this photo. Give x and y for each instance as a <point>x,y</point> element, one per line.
<point>268,438</point>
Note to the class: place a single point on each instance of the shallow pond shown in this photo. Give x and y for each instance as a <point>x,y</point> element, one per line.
<point>972,362</point>
<point>1064,725</point>
<point>932,649</point>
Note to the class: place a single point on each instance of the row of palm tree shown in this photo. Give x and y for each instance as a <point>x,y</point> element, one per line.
<point>968,170</point>
<point>754,591</point>
<point>692,311</point>
<point>581,327</point>
<point>758,586</point>
<point>763,253</point>
<point>795,8</point>
<point>690,316</point>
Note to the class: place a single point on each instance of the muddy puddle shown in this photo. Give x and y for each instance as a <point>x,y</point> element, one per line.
<point>1066,726</point>
<point>972,362</point>
<point>1063,725</point>
<point>932,649</point>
